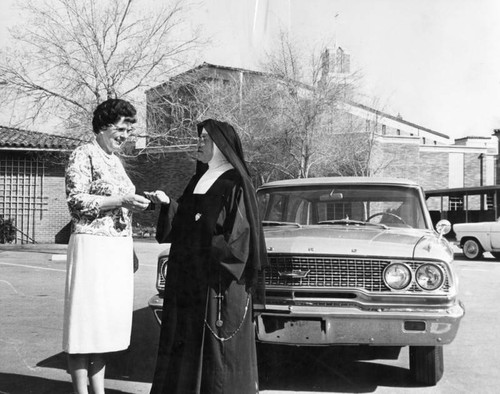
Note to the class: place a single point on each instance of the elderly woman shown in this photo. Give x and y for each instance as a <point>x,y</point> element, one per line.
<point>101,199</point>
<point>207,341</point>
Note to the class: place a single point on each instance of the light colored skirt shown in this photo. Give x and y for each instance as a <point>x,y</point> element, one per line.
<point>99,296</point>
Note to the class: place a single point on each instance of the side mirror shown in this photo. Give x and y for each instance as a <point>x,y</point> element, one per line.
<point>443,227</point>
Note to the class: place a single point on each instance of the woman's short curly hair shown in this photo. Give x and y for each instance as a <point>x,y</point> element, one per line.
<point>111,111</point>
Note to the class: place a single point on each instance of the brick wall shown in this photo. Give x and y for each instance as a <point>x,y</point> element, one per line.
<point>472,170</point>
<point>52,225</point>
<point>429,169</point>
<point>169,172</point>
<point>396,159</point>
<point>434,170</point>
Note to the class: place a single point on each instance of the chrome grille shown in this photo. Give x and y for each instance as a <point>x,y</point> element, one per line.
<point>327,272</point>
<point>338,272</point>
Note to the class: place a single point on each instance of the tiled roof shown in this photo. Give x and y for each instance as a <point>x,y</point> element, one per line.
<point>13,138</point>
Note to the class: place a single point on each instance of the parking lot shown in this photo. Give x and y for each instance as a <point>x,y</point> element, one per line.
<point>31,361</point>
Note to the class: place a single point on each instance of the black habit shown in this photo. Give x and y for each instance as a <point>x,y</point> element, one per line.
<point>207,340</point>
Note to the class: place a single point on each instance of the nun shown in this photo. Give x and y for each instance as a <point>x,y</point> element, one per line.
<point>207,340</point>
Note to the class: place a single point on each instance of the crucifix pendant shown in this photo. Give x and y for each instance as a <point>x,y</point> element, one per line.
<point>219,323</point>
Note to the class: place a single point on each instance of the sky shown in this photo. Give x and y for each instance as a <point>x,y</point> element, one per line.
<point>434,62</point>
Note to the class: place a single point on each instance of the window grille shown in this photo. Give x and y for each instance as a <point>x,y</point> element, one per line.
<point>21,193</point>
<point>456,203</point>
<point>490,202</point>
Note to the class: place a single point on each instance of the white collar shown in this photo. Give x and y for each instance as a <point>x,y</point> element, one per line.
<point>217,166</point>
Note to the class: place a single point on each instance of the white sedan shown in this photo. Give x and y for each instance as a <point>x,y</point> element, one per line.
<point>477,238</point>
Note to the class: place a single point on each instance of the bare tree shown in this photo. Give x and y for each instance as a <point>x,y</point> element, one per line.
<point>319,134</point>
<point>310,98</point>
<point>243,98</point>
<point>354,146</point>
<point>293,117</point>
<point>70,55</point>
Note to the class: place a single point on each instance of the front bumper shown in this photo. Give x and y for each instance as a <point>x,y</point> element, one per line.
<point>298,325</point>
<point>350,326</point>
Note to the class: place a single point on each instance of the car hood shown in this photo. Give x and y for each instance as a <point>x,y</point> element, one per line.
<point>357,241</point>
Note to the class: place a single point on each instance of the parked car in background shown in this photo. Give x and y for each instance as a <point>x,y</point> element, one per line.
<point>140,231</point>
<point>477,238</point>
<point>354,262</point>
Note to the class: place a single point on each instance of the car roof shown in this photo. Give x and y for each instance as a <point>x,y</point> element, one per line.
<point>338,180</point>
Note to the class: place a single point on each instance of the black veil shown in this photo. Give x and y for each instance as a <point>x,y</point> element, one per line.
<point>226,139</point>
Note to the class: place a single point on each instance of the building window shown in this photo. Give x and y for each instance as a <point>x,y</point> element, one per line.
<point>423,140</point>
<point>489,202</point>
<point>21,193</point>
<point>398,132</point>
<point>383,129</point>
<point>456,203</point>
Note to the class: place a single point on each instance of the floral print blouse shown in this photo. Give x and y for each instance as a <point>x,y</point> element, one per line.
<point>91,174</point>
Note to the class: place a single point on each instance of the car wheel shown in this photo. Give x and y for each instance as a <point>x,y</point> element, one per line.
<point>472,249</point>
<point>426,364</point>
<point>496,255</point>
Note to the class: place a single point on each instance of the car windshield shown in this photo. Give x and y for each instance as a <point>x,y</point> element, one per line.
<point>387,205</point>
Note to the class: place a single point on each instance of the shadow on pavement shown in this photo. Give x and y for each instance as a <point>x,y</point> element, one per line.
<point>334,369</point>
<point>134,364</point>
<point>321,369</point>
<point>22,384</point>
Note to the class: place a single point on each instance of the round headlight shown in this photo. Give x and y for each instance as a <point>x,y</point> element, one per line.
<point>397,276</point>
<point>162,273</point>
<point>429,277</point>
<point>163,269</point>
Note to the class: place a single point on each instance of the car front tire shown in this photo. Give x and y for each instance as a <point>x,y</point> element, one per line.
<point>426,364</point>
<point>472,249</point>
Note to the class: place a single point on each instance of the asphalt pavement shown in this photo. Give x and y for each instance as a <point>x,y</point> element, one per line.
<point>31,361</point>
<point>32,280</point>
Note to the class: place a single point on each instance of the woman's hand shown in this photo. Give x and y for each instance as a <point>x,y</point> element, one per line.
<point>158,197</point>
<point>135,202</point>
